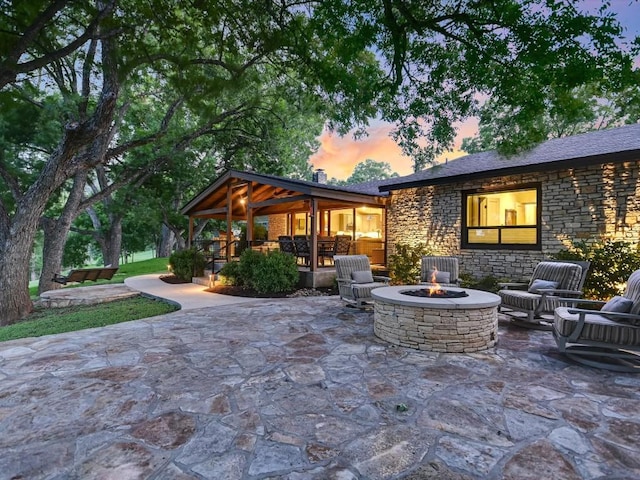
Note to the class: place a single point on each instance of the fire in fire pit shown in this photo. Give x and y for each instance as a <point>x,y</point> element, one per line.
<point>435,290</point>
<point>439,293</point>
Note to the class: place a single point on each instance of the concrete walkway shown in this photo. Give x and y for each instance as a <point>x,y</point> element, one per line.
<point>301,389</point>
<point>188,295</point>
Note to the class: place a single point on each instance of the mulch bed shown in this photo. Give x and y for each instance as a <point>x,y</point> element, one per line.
<point>248,292</point>
<point>172,279</point>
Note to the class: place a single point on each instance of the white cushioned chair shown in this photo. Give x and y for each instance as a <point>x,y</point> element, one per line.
<point>533,306</point>
<point>447,271</point>
<point>607,338</point>
<point>355,279</point>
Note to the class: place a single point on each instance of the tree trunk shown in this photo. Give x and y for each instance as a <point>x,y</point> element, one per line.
<point>55,235</point>
<point>113,242</point>
<point>52,251</point>
<point>15,302</point>
<point>167,241</point>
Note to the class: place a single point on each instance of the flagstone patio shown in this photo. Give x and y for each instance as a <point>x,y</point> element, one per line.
<point>301,389</point>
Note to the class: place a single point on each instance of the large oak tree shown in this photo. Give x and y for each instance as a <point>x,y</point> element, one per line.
<point>422,64</point>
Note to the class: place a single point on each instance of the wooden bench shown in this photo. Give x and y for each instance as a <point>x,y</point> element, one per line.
<point>83,274</point>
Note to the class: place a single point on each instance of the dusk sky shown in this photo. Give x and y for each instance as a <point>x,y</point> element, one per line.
<point>339,155</point>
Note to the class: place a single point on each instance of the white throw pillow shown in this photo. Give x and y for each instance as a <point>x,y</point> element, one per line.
<point>362,276</point>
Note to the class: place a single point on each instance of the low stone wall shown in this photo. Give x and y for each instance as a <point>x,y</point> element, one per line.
<point>436,330</point>
<point>66,297</point>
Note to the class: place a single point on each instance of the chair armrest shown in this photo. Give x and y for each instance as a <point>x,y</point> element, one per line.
<point>381,278</point>
<point>615,315</point>
<point>344,280</point>
<point>555,291</point>
<point>585,301</point>
<point>516,285</point>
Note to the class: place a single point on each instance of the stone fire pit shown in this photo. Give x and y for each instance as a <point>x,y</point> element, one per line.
<point>454,325</point>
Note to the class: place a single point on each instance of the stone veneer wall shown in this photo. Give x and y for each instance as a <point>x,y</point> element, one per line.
<point>436,330</point>
<point>587,203</point>
<point>277,226</point>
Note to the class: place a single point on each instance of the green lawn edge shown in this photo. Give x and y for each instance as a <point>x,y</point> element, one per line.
<point>50,321</point>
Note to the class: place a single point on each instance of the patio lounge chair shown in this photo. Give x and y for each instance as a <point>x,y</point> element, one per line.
<point>446,267</point>
<point>355,279</point>
<point>533,307</point>
<point>608,338</point>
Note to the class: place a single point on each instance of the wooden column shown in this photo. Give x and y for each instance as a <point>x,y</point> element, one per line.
<point>190,237</point>
<point>249,214</point>
<point>313,261</point>
<point>229,217</point>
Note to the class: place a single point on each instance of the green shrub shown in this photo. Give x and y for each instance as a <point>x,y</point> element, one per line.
<point>187,263</point>
<point>404,264</point>
<point>266,273</point>
<point>249,259</point>
<point>230,274</point>
<point>487,284</point>
<point>612,262</point>
<point>274,272</point>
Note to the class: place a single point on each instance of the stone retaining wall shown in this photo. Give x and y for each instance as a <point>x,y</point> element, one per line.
<point>66,297</point>
<point>436,330</point>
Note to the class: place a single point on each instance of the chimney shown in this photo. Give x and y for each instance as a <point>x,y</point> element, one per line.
<point>319,176</point>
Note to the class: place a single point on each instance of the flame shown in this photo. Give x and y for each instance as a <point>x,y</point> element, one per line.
<point>435,287</point>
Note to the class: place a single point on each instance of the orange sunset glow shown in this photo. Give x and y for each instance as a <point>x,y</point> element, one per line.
<point>339,155</point>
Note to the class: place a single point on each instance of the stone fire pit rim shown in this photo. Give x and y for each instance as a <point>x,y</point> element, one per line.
<point>476,298</point>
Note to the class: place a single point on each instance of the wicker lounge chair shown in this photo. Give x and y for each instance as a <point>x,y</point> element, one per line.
<point>533,306</point>
<point>446,267</point>
<point>608,338</point>
<point>355,279</point>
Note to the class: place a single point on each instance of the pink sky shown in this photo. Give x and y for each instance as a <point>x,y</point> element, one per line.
<point>339,155</point>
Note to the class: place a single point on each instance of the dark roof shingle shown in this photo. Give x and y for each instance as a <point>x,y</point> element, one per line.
<point>623,143</point>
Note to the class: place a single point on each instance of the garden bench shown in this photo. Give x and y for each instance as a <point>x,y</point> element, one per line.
<point>82,274</point>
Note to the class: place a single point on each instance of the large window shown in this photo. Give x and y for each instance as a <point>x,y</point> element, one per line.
<point>502,218</point>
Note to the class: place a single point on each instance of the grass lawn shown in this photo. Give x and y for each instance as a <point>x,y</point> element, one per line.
<point>47,321</point>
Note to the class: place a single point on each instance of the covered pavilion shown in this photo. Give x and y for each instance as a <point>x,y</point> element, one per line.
<point>295,207</point>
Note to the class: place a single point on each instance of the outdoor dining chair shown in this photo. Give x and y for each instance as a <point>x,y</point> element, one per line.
<point>341,246</point>
<point>285,243</point>
<point>302,247</point>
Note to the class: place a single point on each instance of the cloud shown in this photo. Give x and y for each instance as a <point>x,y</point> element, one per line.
<point>338,155</point>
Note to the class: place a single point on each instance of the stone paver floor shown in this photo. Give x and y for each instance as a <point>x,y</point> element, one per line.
<point>302,389</point>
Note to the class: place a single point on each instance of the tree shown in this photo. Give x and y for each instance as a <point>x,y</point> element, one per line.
<point>584,109</point>
<point>420,64</point>
<point>370,170</point>
<point>112,52</point>
<point>443,56</point>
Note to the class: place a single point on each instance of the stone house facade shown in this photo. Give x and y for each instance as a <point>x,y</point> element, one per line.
<point>590,195</point>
